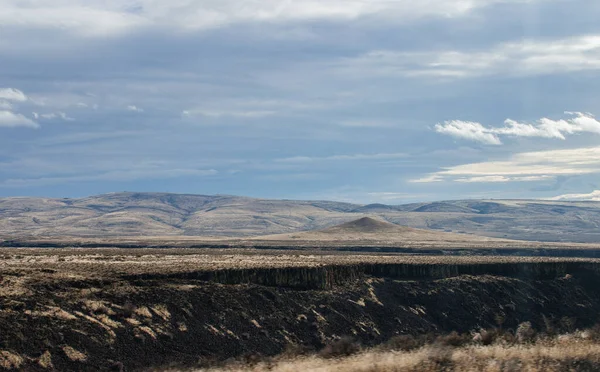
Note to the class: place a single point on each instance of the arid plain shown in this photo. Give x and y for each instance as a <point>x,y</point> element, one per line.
<point>124,283</point>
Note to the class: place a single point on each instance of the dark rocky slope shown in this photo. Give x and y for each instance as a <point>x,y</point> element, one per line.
<point>137,323</point>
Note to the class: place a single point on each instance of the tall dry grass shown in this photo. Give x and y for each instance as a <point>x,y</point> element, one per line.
<point>571,352</point>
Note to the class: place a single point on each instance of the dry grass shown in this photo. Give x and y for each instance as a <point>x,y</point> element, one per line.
<point>10,360</point>
<point>104,262</point>
<point>45,361</point>
<point>74,355</point>
<point>568,354</point>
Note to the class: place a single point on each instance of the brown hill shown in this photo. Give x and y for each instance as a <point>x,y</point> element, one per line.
<point>365,225</point>
<point>372,231</point>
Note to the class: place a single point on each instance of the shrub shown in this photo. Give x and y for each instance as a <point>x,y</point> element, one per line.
<point>343,347</point>
<point>508,337</point>
<point>294,350</point>
<point>251,359</point>
<point>486,336</point>
<point>525,332</point>
<point>403,343</point>
<point>500,319</point>
<point>567,324</point>
<point>453,339</point>
<point>550,328</point>
<point>594,332</point>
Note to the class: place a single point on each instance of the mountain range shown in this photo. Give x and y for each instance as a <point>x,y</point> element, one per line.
<point>164,214</point>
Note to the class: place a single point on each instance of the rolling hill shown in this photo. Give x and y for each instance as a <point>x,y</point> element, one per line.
<point>370,230</point>
<point>163,214</point>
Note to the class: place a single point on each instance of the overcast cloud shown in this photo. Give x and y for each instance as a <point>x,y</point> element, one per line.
<point>365,101</point>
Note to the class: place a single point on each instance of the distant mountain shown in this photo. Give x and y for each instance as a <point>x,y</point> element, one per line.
<point>444,207</point>
<point>163,214</point>
<point>375,208</point>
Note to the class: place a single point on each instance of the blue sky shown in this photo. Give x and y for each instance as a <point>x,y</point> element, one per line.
<point>388,101</point>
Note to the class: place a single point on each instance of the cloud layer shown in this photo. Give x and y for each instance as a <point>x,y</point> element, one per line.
<point>108,18</point>
<point>544,128</point>
<point>523,167</point>
<point>298,98</point>
<point>593,196</point>
<point>526,57</point>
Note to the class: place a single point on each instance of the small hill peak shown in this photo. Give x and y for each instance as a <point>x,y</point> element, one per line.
<point>364,225</point>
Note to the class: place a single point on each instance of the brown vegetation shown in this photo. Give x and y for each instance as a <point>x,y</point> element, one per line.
<point>493,349</point>
<point>569,352</point>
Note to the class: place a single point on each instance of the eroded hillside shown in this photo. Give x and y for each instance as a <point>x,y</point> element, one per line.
<point>161,214</point>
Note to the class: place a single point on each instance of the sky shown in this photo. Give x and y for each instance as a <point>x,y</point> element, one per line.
<point>379,101</point>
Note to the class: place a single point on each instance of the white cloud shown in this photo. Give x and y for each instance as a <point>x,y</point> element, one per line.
<point>593,196</point>
<point>232,113</point>
<point>135,108</point>
<point>12,94</point>
<point>468,130</point>
<point>64,116</point>
<point>428,179</point>
<point>89,18</point>
<point>53,115</point>
<point>523,167</point>
<point>120,175</point>
<point>11,119</point>
<point>254,108</point>
<point>484,179</point>
<point>544,127</point>
<point>5,105</point>
<point>528,57</point>
<point>355,157</point>
<point>502,179</point>
<point>580,123</point>
<point>110,17</point>
<point>365,123</point>
<point>391,196</point>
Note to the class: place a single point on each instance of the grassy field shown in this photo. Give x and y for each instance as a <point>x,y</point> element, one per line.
<point>114,262</point>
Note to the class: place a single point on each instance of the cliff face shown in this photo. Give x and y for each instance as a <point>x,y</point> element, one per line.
<point>148,321</point>
<point>328,277</point>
